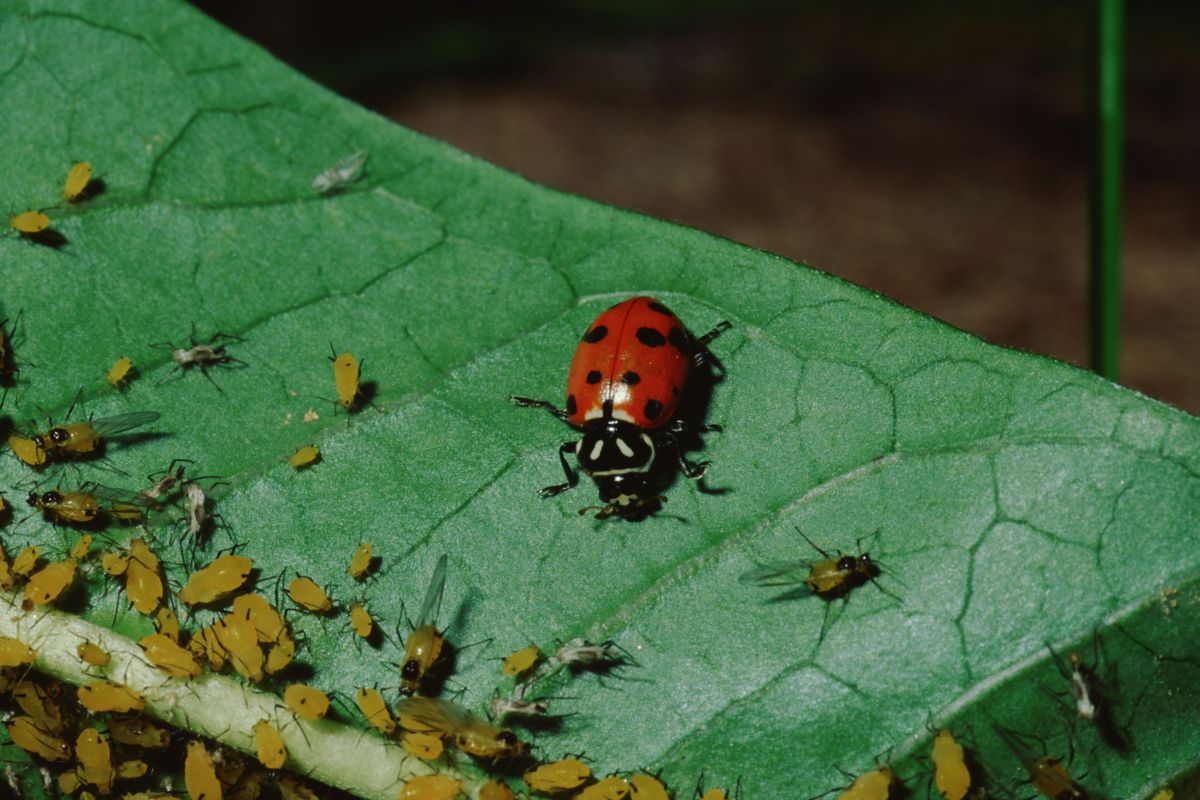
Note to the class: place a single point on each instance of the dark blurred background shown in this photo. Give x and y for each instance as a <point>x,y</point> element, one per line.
<point>935,153</point>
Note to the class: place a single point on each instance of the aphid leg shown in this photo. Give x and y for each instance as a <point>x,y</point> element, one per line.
<point>209,378</point>
<point>526,402</point>
<point>572,477</point>
<point>825,622</point>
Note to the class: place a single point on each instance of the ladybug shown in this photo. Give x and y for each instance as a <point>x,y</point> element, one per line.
<point>629,372</point>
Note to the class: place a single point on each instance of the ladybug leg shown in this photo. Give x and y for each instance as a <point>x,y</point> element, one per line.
<point>680,426</point>
<point>690,470</point>
<point>702,356</point>
<point>717,330</point>
<point>526,402</point>
<point>572,478</point>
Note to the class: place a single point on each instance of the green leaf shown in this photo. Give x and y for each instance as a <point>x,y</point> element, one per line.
<point>1011,500</point>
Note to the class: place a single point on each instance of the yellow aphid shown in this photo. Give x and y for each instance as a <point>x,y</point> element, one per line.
<point>1050,778</point>
<point>561,776</point>
<point>30,737</point>
<point>35,701</point>
<point>611,788</point>
<point>132,769</point>
<point>647,787</point>
<point>81,438</point>
<point>7,579</point>
<point>164,653</point>
<point>120,372</point>
<point>521,661</point>
<point>360,620</point>
<point>138,731</point>
<point>873,785</point>
<point>66,507</point>
<point>425,746</point>
<point>268,623</point>
<point>47,584</point>
<point>360,564</point>
<point>114,564</point>
<point>467,732</point>
<point>14,652</point>
<point>424,646</point>
<point>79,550</point>
<point>166,621</point>
<point>431,787</point>
<point>496,790</point>
<point>240,641</point>
<point>218,580</point>
<point>95,760</point>
<point>281,653</point>
<point>345,379</point>
<point>307,702</point>
<point>69,782</point>
<point>29,451</point>
<point>950,772</point>
<point>269,745</point>
<point>304,457</point>
<point>104,696</point>
<point>292,789</point>
<point>29,222</point>
<point>93,654</point>
<point>1164,794</point>
<point>26,560</point>
<point>250,787</point>
<point>143,583</point>
<point>199,775</point>
<point>205,644</point>
<point>306,594</point>
<point>77,180</point>
<point>371,704</point>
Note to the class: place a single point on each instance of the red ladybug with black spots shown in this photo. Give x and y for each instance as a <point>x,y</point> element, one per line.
<point>629,372</point>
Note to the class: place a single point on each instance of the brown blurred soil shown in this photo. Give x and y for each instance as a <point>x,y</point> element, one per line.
<point>942,163</point>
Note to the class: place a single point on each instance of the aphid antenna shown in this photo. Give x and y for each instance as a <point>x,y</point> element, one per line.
<point>812,544</point>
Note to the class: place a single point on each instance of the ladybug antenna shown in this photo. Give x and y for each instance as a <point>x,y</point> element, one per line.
<point>602,512</point>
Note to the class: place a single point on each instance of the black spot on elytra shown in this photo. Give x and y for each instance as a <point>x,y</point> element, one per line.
<point>650,337</point>
<point>571,404</point>
<point>674,391</point>
<point>660,308</point>
<point>653,409</point>
<point>594,376</point>
<point>678,339</point>
<point>595,334</point>
<point>631,378</point>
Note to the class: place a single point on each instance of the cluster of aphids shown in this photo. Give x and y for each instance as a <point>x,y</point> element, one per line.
<point>94,740</point>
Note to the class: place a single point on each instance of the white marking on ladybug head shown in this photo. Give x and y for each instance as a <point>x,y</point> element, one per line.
<point>596,449</point>
<point>623,415</point>
<point>625,449</point>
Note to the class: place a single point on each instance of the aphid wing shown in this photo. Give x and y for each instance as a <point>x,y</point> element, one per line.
<point>778,573</point>
<point>437,715</point>
<point>108,426</point>
<point>433,597</point>
<point>110,495</point>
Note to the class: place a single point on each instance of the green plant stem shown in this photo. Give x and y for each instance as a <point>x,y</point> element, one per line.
<point>1105,200</point>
